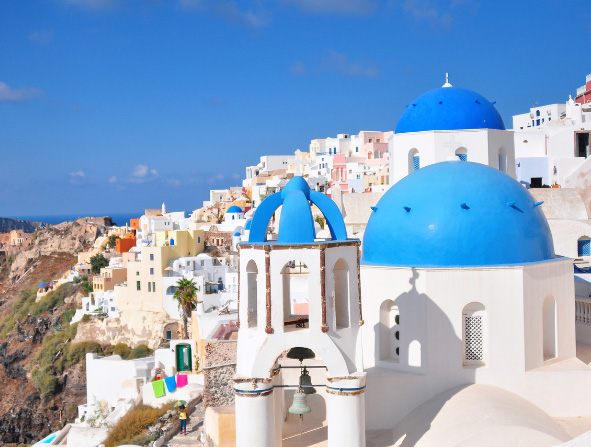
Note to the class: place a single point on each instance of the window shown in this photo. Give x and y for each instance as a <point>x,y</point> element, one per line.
<point>168,335</point>
<point>151,256</point>
<point>473,334</point>
<point>502,160</point>
<point>139,286</point>
<point>584,246</point>
<point>537,113</point>
<point>536,182</point>
<point>151,270</point>
<point>462,157</point>
<point>549,328</point>
<point>377,140</point>
<point>149,286</point>
<point>370,140</point>
<point>137,273</point>
<point>341,293</point>
<point>198,239</point>
<point>356,149</point>
<point>295,294</point>
<point>537,122</point>
<point>170,290</point>
<point>389,332</point>
<point>153,286</point>
<point>252,291</point>
<point>416,163</point>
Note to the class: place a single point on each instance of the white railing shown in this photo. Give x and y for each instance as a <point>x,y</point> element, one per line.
<point>588,78</point>
<point>581,90</point>
<point>583,311</point>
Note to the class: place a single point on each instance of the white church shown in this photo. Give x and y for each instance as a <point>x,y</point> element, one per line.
<point>453,324</point>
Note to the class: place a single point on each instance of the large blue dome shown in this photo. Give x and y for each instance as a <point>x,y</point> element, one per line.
<point>457,213</point>
<point>449,108</point>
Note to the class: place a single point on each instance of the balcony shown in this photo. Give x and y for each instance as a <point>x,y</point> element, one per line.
<point>583,311</point>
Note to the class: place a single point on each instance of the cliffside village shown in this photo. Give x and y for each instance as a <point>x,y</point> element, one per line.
<point>133,298</point>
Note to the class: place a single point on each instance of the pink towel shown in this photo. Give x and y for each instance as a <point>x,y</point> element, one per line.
<point>181,380</point>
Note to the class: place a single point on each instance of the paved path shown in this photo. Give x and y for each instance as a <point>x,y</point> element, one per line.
<point>194,429</point>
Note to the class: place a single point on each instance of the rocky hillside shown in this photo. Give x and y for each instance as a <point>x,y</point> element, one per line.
<point>27,226</point>
<point>41,369</point>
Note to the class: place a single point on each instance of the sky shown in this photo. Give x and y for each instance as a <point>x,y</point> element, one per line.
<point>113,106</point>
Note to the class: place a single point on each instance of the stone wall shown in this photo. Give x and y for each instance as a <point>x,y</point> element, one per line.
<point>220,239</point>
<point>219,368</point>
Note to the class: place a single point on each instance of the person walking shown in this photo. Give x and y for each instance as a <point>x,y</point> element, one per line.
<point>183,419</point>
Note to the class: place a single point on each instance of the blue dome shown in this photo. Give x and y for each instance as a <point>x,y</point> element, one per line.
<point>449,108</point>
<point>457,213</point>
<point>237,234</point>
<point>296,225</point>
<point>234,209</point>
<point>248,224</point>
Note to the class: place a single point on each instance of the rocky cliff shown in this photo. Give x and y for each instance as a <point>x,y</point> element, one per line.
<point>40,378</point>
<point>27,226</point>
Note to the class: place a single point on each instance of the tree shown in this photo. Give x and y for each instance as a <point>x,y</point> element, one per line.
<point>113,241</point>
<point>97,262</point>
<point>186,296</point>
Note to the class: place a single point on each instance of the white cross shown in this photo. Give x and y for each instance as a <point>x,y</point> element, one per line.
<point>299,162</point>
<point>451,143</point>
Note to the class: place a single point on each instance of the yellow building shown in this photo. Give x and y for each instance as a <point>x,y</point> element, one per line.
<point>108,278</point>
<point>144,291</point>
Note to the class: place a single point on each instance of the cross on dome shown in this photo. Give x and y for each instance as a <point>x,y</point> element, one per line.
<point>447,84</point>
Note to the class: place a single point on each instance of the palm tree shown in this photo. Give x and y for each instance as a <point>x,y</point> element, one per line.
<point>187,299</point>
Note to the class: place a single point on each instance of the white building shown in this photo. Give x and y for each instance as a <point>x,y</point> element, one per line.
<point>166,221</point>
<point>450,123</point>
<point>97,303</point>
<point>460,308</point>
<point>555,151</point>
<point>267,163</point>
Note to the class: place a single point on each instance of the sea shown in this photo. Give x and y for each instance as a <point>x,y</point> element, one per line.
<point>119,219</point>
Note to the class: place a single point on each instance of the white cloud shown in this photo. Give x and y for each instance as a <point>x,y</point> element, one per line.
<point>41,37</point>
<point>142,173</point>
<point>76,178</point>
<point>112,180</point>
<point>79,174</point>
<point>8,94</point>
<point>335,6</point>
<point>229,11</point>
<point>340,63</point>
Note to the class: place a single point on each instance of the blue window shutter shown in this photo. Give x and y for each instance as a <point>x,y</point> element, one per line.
<point>463,157</point>
<point>584,248</point>
<point>416,162</point>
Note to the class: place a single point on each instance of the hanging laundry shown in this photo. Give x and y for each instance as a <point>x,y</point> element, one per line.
<point>170,383</point>
<point>181,380</point>
<point>158,386</point>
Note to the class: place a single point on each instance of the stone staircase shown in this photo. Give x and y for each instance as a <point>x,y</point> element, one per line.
<point>194,430</point>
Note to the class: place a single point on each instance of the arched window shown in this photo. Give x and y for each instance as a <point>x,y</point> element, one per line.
<point>252,289</point>
<point>537,113</point>
<point>389,333</point>
<point>170,290</point>
<point>341,293</point>
<point>414,161</point>
<point>502,160</point>
<point>414,353</point>
<point>462,153</point>
<point>295,294</point>
<point>549,328</point>
<point>584,246</point>
<point>473,321</point>
<point>376,154</point>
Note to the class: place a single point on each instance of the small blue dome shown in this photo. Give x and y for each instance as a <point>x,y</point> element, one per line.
<point>296,225</point>
<point>234,209</point>
<point>449,108</point>
<point>248,224</point>
<point>237,234</point>
<point>457,213</point>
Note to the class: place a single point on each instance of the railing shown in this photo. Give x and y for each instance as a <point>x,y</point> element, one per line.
<point>581,90</point>
<point>583,311</point>
<point>588,78</point>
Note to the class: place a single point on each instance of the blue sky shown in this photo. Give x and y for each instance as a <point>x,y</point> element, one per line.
<point>113,106</point>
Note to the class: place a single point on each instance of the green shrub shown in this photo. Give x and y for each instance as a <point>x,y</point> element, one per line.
<point>131,428</point>
<point>77,280</point>
<point>85,318</point>
<point>20,309</point>
<point>45,381</point>
<point>122,350</point>
<point>68,315</point>
<point>139,352</point>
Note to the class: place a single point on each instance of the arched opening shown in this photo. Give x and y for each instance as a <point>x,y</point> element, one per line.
<point>295,295</point>
<point>389,332</point>
<point>549,328</point>
<point>473,321</point>
<point>184,360</point>
<point>502,160</point>
<point>171,241</point>
<point>414,354</point>
<point>414,161</point>
<point>462,154</point>
<point>341,293</point>
<point>170,290</point>
<point>376,154</point>
<point>584,246</point>
<point>252,289</point>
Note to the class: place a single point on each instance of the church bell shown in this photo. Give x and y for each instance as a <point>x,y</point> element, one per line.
<point>300,403</point>
<point>306,383</point>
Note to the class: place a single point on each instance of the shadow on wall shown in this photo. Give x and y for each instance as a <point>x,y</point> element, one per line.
<point>416,336</point>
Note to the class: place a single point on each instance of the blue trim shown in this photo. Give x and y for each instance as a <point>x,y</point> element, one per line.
<point>254,391</point>
<point>344,389</point>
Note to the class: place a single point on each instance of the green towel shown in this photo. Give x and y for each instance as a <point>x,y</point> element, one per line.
<point>158,386</point>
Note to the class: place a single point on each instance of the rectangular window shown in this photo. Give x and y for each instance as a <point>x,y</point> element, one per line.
<point>169,335</point>
<point>473,349</point>
<point>151,270</point>
<point>356,149</point>
<point>151,256</point>
<point>137,273</point>
<point>537,122</point>
<point>149,286</point>
<point>370,140</point>
<point>584,247</point>
<point>198,239</point>
<point>139,285</point>
<point>153,287</point>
